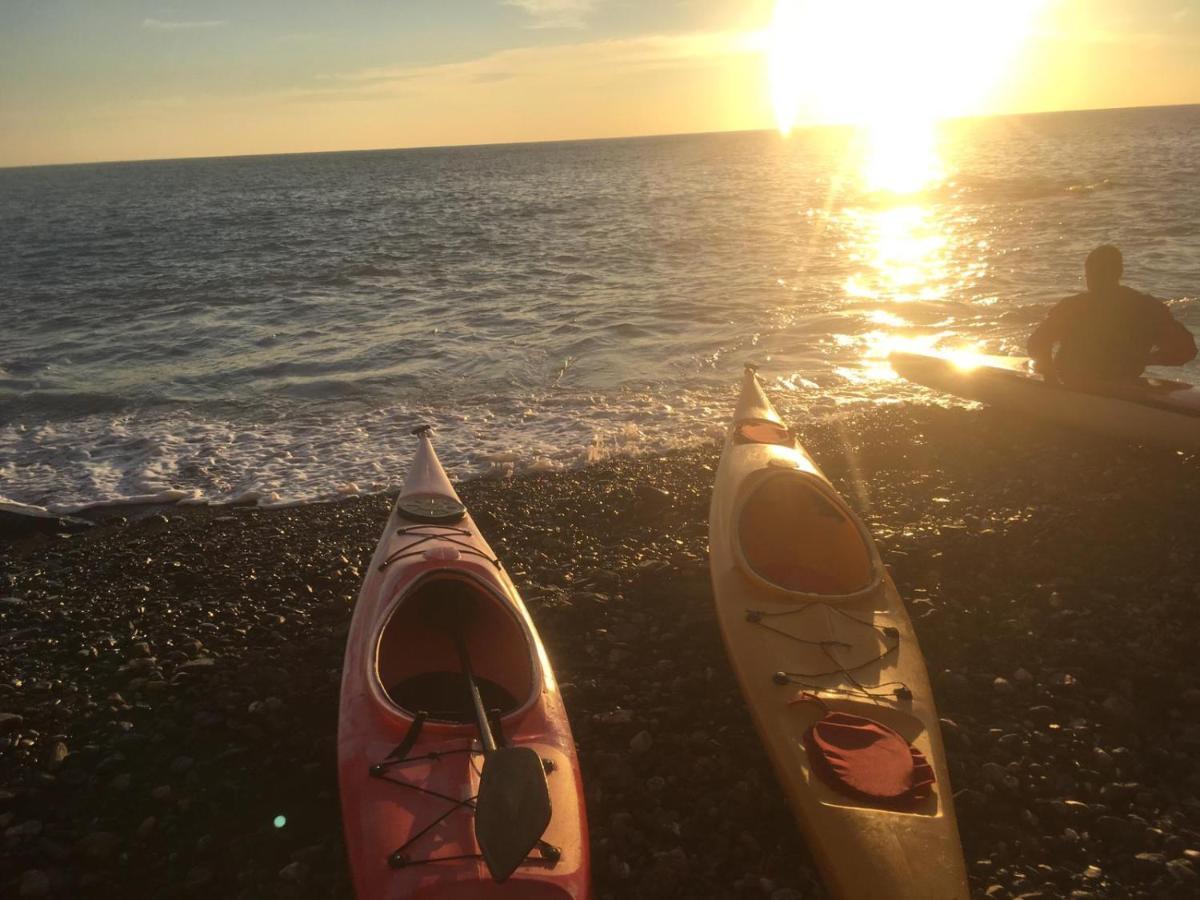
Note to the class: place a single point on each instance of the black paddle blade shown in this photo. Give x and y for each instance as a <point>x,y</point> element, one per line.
<point>512,810</point>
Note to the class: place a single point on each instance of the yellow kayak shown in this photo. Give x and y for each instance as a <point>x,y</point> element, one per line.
<point>823,647</point>
<point>1147,410</point>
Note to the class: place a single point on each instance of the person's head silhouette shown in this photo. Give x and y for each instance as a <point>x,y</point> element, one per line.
<point>1103,268</point>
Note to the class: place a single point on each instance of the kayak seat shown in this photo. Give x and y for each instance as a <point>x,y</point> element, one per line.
<point>417,659</point>
<point>794,536</point>
<point>444,696</point>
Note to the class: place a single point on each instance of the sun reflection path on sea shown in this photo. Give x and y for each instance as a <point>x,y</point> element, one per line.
<point>900,254</point>
<point>905,246</point>
<point>900,237</point>
<point>897,70</point>
<point>902,155</point>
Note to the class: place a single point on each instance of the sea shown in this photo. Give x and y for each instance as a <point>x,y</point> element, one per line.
<point>269,329</point>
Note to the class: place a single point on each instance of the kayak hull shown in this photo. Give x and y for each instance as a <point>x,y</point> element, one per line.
<point>798,630</point>
<point>1165,413</point>
<point>407,782</point>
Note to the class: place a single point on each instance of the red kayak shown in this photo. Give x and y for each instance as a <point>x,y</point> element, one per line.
<point>456,764</point>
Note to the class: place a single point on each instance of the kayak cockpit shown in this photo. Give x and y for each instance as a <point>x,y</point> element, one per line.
<point>758,431</point>
<point>792,534</point>
<point>417,659</point>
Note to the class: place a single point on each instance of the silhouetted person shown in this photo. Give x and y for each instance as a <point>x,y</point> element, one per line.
<point>1110,332</point>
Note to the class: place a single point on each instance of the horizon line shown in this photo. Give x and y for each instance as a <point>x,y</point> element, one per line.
<point>624,137</point>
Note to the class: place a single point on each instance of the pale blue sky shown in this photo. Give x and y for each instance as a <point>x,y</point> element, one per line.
<point>90,48</point>
<point>105,79</point>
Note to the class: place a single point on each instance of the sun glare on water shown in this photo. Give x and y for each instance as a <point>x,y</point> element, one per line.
<point>901,157</point>
<point>894,71</point>
<point>900,254</point>
<point>879,345</point>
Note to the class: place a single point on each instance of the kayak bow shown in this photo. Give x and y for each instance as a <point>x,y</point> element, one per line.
<point>456,764</point>
<point>812,623</point>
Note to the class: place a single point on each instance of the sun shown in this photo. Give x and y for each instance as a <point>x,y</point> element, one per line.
<point>894,70</point>
<point>881,62</point>
<point>785,66</point>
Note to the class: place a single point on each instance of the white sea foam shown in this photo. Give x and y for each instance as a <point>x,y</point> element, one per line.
<point>24,509</point>
<point>137,459</point>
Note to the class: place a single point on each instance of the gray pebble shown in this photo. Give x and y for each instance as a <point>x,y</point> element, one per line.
<point>35,883</point>
<point>641,742</point>
<point>1183,871</point>
<point>294,872</point>
<point>1150,863</point>
<point>28,828</point>
<point>58,754</point>
<point>98,846</point>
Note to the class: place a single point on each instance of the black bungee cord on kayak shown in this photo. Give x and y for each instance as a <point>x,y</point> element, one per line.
<point>398,859</point>
<point>447,533</point>
<point>888,634</point>
<point>859,757</point>
<point>875,693</point>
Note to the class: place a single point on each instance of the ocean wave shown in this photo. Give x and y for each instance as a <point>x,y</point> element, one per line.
<point>153,457</point>
<point>15,404</point>
<point>372,271</point>
<point>984,189</point>
<point>25,366</point>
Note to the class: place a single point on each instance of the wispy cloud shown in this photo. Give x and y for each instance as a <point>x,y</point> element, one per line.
<point>1157,26</point>
<point>1153,40</point>
<point>555,13</point>
<point>297,37</point>
<point>585,64</point>
<point>168,25</point>
<point>647,52</point>
<point>492,77</point>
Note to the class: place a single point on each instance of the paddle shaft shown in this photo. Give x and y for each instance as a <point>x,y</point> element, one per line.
<point>512,807</point>
<point>481,719</point>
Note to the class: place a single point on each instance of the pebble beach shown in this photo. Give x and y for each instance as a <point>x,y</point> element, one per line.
<point>169,678</point>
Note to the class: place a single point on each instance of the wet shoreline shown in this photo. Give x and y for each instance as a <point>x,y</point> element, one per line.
<point>168,685</point>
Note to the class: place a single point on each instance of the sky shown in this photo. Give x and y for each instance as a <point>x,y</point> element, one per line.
<point>90,80</point>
